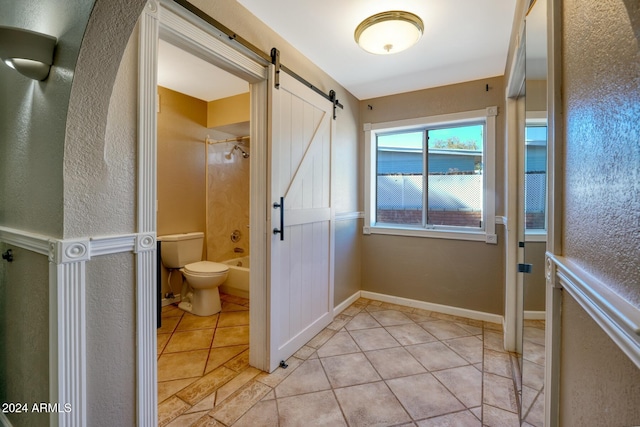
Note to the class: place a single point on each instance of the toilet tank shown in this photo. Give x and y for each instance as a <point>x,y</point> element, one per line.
<point>178,250</point>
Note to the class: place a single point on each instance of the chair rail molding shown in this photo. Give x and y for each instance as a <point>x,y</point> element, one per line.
<point>617,317</point>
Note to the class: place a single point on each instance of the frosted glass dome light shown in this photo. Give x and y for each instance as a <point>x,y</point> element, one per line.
<point>389,32</point>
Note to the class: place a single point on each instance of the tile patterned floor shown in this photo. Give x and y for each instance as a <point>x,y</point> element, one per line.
<point>376,364</point>
<point>533,373</point>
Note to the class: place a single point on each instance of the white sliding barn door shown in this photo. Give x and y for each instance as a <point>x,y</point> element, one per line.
<point>301,262</point>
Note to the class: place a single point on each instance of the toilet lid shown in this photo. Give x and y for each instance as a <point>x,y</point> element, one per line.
<point>206,267</point>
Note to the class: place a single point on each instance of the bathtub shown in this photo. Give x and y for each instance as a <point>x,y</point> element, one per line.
<point>237,282</point>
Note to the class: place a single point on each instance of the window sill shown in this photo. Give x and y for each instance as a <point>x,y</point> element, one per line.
<point>535,236</point>
<point>478,236</point>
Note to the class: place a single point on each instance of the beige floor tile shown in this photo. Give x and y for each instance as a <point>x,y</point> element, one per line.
<point>171,311</point>
<point>206,385</point>
<point>362,321</point>
<point>235,335</point>
<point>533,334</point>
<point>494,341</point>
<point>236,384</point>
<point>533,352</point>
<point>499,392</point>
<point>339,322</point>
<point>397,307</point>
<point>374,339</point>
<point>312,409</point>
<point>163,339</point>
<point>221,355</point>
<point>240,402</point>
<point>371,404</point>
<point>532,375</point>
<point>189,340</point>
<point>496,362</point>
<point>391,317</point>
<point>394,362</point>
<point>321,338</point>
<point>472,329</point>
<point>229,306</point>
<point>186,420</point>
<point>167,389</point>
<point>497,327</point>
<point>436,356</point>
<point>410,333</point>
<point>190,321</point>
<point>340,343</point>
<point>423,396</point>
<point>168,325</point>
<point>233,318</point>
<point>305,352</point>
<point>470,348</point>
<point>535,416</point>
<point>307,378</point>
<point>457,419</point>
<point>444,330</point>
<point>349,369</point>
<point>496,417</point>
<point>189,364</point>
<point>170,409</point>
<point>263,414</point>
<point>277,376</point>
<point>239,363</point>
<point>464,382</point>
<point>352,310</point>
<point>206,404</point>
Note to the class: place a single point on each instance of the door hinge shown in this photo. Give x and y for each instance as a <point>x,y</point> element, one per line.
<point>525,268</point>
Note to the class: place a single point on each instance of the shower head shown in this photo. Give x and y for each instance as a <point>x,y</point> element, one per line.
<point>245,155</point>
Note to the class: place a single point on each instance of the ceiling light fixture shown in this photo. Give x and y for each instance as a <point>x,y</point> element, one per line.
<point>389,32</point>
<point>27,52</point>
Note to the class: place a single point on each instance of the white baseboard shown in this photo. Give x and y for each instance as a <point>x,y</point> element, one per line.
<point>534,315</point>
<point>439,308</point>
<point>346,303</point>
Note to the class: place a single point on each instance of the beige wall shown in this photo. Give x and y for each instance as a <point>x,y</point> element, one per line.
<point>457,273</point>
<point>601,65</point>
<point>181,163</point>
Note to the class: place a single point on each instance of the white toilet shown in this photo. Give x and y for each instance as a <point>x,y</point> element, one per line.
<point>200,295</point>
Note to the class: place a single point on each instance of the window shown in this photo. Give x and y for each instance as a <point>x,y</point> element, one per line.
<point>535,180</point>
<point>430,176</point>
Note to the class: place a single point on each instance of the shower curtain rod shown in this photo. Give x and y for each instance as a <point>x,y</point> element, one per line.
<point>273,57</point>
<point>219,141</point>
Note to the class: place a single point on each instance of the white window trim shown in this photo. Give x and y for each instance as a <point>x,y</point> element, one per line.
<point>487,234</point>
<point>537,118</point>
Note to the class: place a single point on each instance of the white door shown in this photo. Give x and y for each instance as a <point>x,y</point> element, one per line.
<point>301,262</point>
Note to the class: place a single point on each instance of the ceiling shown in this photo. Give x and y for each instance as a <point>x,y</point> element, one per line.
<point>463,41</point>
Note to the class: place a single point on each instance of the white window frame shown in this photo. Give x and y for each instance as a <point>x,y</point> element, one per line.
<point>538,118</point>
<point>486,233</point>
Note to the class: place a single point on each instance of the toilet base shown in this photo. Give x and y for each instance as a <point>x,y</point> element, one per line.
<point>202,302</point>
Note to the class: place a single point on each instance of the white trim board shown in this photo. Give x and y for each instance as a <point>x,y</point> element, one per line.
<point>617,317</point>
<point>438,308</point>
<point>534,315</point>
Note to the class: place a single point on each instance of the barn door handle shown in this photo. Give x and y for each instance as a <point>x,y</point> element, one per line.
<point>280,230</point>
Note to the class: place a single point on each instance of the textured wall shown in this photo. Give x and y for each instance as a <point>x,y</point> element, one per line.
<point>99,179</point>
<point>24,333</point>
<point>458,273</point>
<point>32,124</point>
<point>600,386</point>
<point>601,87</point>
<point>602,106</point>
<point>111,346</point>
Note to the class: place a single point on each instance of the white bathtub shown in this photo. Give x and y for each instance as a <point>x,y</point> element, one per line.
<point>237,282</point>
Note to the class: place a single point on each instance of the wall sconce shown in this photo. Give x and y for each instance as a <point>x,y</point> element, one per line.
<point>27,52</point>
<point>389,32</point>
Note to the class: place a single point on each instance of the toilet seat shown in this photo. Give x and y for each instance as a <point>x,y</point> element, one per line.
<point>206,268</point>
